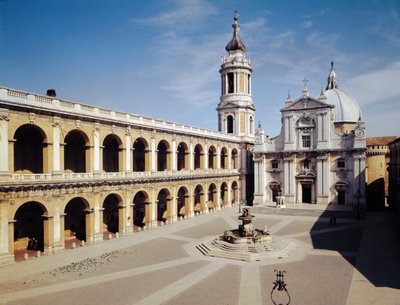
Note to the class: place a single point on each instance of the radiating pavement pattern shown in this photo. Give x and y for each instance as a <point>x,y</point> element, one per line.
<point>162,266</point>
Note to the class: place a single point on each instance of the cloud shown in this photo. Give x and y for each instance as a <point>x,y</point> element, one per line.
<point>184,10</point>
<point>307,24</point>
<point>377,86</point>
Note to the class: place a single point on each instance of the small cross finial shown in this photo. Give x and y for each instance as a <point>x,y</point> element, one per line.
<point>236,16</point>
<point>305,81</point>
<point>332,64</point>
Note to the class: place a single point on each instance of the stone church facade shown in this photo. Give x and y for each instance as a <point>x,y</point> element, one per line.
<point>319,156</point>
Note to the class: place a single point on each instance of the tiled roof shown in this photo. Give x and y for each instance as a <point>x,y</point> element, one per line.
<point>380,140</point>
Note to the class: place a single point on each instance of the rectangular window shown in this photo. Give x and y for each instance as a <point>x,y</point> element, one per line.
<point>341,164</point>
<point>306,140</point>
<point>274,164</point>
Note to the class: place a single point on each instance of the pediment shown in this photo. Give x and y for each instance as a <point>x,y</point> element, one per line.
<point>306,103</point>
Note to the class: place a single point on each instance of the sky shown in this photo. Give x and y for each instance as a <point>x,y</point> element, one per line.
<point>161,58</point>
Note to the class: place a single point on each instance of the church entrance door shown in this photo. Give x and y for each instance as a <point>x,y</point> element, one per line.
<point>306,191</point>
<point>341,197</point>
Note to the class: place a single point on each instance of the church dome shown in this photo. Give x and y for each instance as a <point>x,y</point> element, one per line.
<point>346,109</point>
<point>235,43</point>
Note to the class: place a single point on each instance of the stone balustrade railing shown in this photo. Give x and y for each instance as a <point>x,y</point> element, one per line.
<point>58,105</point>
<point>16,178</point>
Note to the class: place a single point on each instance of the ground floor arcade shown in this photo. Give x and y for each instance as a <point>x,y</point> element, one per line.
<point>48,220</point>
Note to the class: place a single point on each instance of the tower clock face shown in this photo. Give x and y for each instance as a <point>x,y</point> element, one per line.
<point>359,133</point>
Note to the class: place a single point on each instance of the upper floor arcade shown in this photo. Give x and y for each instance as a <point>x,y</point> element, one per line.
<point>38,143</point>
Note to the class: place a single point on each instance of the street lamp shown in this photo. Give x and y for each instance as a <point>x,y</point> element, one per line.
<point>279,289</point>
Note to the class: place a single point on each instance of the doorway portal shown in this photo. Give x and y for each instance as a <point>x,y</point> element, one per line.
<point>306,191</point>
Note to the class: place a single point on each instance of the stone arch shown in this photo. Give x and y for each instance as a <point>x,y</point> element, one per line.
<point>182,201</point>
<point>163,156</point>
<point>112,153</point>
<point>163,200</point>
<point>224,158</point>
<point>234,192</point>
<point>212,156</point>
<point>76,222</point>
<point>141,152</point>
<point>29,227</point>
<point>198,198</point>
<point>76,152</point>
<point>30,150</point>
<point>111,211</point>
<point>212,196</point>
<point>224,194</point>
<point>234,159</point>
<point>182,156</point>
<point>140,201</point>
<point>198,157</point>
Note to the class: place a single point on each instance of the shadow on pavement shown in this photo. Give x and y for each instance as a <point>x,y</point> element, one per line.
<point>375,242</point>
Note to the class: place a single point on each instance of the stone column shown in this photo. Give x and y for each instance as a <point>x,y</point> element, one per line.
<point>48,234</point>
<point>153,152</point>
<point>4,151</point>
<point>96,148</point>
<point>205,157</point>
<point>122,219</point>
<point>229,186</point>
<point>56,146</point>
<point>218,152</point>
<point>191,154</point>
<point>58,223</point>
<point>98,217</point>
<point>6,236</point>
<point>11,225</point>
<point>174,204</point>
<point>128,150</point>
<point>190,211</point>
<point>259,178</point>
<point>174,162</point>
<point>89,219</point>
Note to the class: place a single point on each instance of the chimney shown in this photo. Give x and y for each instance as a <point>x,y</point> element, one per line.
<point>51,92</point>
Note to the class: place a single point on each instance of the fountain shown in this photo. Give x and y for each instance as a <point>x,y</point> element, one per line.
<point>247,243</point>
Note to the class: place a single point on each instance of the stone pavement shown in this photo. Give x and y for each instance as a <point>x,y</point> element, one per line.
<point>350,262</point>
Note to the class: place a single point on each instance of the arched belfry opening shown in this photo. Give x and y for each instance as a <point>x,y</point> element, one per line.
<point>229,124</point>
<point>30,149</point>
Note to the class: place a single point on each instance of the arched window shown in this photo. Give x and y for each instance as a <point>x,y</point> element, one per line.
<point>229,124</point>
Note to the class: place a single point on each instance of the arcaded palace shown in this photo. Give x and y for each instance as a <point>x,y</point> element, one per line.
<point>319,156</point>
<point>76,172</point>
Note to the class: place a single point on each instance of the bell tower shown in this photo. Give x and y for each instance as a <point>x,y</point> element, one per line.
<point>236,108</point>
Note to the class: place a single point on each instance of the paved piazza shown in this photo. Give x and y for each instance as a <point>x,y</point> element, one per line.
<point>162,266</point>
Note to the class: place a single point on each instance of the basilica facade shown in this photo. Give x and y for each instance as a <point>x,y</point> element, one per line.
<point>319,156</point>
